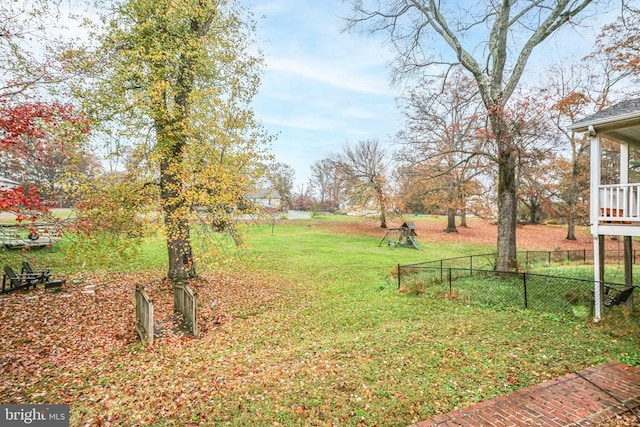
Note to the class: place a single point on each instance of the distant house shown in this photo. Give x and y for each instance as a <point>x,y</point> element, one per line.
<point>7,184</point>
<point>268,198</point>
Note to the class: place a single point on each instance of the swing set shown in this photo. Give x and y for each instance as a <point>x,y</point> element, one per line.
<point>403,236</point>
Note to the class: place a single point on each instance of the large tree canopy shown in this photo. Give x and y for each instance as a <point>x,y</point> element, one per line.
<point>443,138</point>
<point>33,126</point>
<point>177,77</point>
<point>493,41</point>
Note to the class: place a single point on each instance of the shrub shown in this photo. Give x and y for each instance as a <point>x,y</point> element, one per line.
<point>415,285</point>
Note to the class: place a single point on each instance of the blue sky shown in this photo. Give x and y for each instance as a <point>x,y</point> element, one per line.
<point>323,87</point>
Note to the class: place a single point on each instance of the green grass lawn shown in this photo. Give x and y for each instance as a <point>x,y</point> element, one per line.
<point>313,332</point>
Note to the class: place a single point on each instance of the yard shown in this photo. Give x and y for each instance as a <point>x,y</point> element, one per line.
<point>304,326</point>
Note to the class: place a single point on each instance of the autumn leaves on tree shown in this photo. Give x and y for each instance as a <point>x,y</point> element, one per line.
<point>164,85</point>
<point>182,71</point>
<point>39,137</point>
<point>434,37</point>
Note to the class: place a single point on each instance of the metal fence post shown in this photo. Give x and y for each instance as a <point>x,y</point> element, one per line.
<point>450,284</point>
<point>524,282</point>
<point>399,276</point>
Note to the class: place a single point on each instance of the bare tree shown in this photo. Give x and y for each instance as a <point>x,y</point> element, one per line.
<point>363,168</point>
<point>280,176</point>
<point>508,32</point>
<point>301,199</point>
<point>443,132</point>
<point>27,48</point>
<point>326,185</point>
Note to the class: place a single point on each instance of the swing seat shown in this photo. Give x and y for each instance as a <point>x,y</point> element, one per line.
<point>617,296</point>
<point>614,296</point>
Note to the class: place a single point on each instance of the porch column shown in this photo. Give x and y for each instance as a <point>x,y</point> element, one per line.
<point>595,177</point>
<point>594,213</point>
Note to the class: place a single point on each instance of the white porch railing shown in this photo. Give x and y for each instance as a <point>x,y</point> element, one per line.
<point>619,203</point>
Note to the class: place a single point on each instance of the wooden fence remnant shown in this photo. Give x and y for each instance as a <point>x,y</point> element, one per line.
<point>185,302</point>
<point>144,315</point>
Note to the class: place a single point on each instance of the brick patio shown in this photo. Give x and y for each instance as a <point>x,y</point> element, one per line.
<point>566,401</point>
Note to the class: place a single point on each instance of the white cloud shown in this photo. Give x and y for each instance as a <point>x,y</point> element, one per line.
<point>333,73</point>
<point>321,87</point>
<point>306,122</point>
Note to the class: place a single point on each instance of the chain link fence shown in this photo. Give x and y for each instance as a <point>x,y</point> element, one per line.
<point>473,279</point>
<point>528,260</point>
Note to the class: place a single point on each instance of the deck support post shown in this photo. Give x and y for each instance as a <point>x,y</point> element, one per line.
<point>628,266</point>
<point>598,267</point>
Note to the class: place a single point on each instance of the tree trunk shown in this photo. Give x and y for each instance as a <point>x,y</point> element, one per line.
<point>507,195</point>
<point>533,212</point>
<point>171,133</point>
<point>463,218</point>
<point>571,225</point>
<point>571,203</point>
<point>171,140</point>
<point>451,221</point>
<point>382,203</point>
<point>451,203</point>
<point>181,265</point>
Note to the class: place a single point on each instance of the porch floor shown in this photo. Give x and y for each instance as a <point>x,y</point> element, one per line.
<point>566,401</point>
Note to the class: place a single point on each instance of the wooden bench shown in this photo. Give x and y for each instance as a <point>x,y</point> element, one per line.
<point>43,273</point>
<point>29,277</point>
<point>12,281</point>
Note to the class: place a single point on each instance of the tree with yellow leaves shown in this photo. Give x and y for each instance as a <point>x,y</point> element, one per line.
<point>176,76</point>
